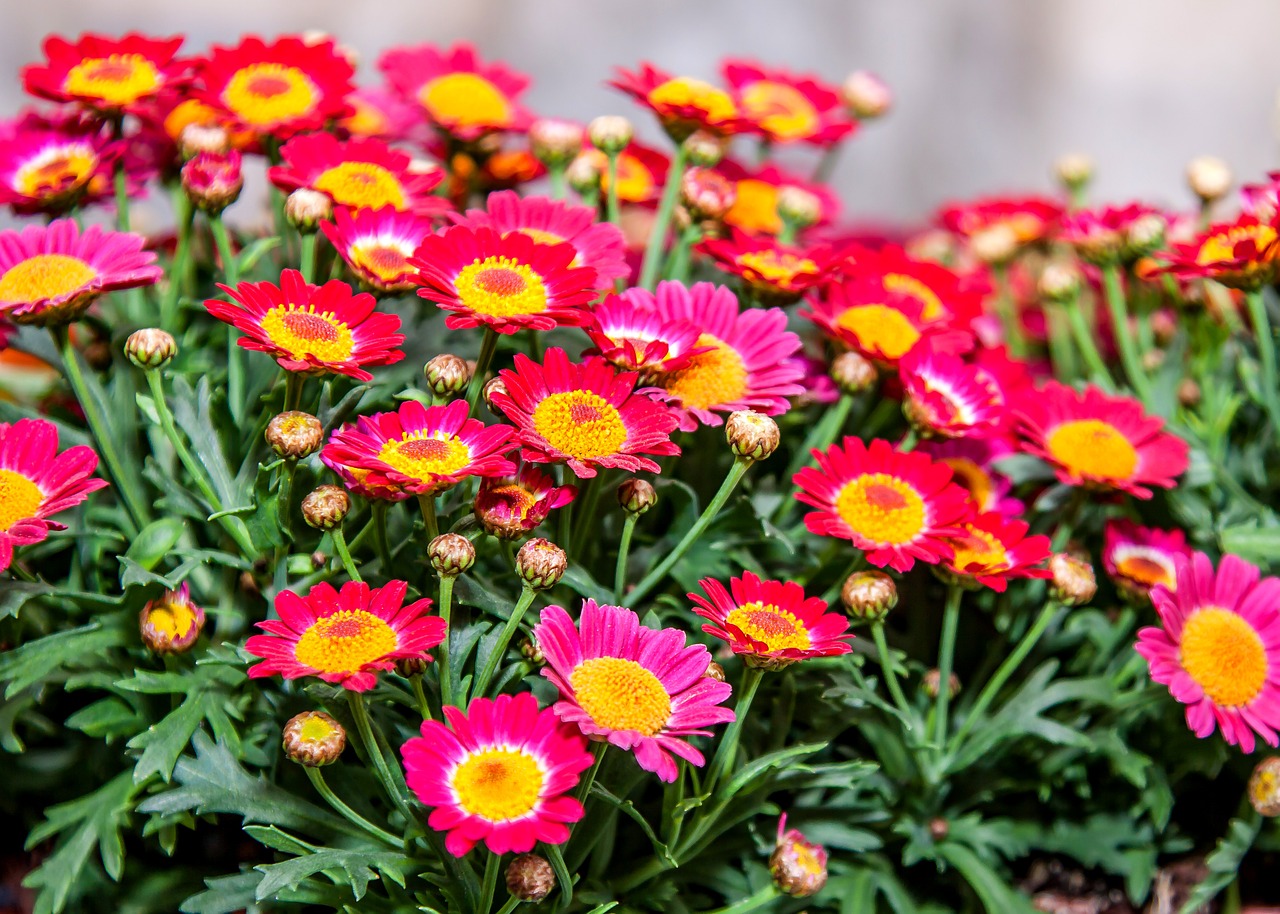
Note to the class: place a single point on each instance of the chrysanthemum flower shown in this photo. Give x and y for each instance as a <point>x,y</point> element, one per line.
<point>777,273</point>
<point>277,89</point>
<point>171,624</point>
<point>1093,439</point>
<point>771,623</point>
<point>345,637</point>
<point>49,165</point>
<point>37,482</point>
<point>642,171</point>
<point>500,773</point>
<point>745,365</point>
<point>423,449</point>
<point>599,245</point>
<point>1030,219</point>
<point>993,549</point>
<point>506,283</point>
<point>356,479</point>
<point>639,688</point>
<point>755,205</point>
<point>972,462</point>
<point>311,328</point>
<point>376,244</point>
<point>1244,254</point>
<point>511,506</point>
<point>1262,201</point>
<point>1138,558</point>
<point>1218,648</point>
<point>948,396</point>
<point>786,108</point>
<point>360,174</point>
<point>682,104</point>
<point>585,415</point>
<point>459,93</point>
<point>631,335</point>
<point>107,74</point>
<point>50,274</point>
<point>897,507</point>
<point>942,293</point>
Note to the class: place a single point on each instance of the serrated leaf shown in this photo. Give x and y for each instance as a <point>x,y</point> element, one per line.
<point>224,895</point>
<point>45,658</point>
<point>162,742</point>
<point>17,594</point>
<point>359,867</point>
<point>1224,862</point>
<point>109,717</point>
<point>193,413</point>
<point>992,890</point>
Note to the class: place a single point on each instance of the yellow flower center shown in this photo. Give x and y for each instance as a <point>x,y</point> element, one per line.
<point>580,423</point>
<point>974,480</point>
<point>914,288</point>
<point>20,498</point>
<point>465,100</point>
<point>981,549</point>
<point>881,508</point>
<point>501,287</point>
<point>755,209</point>
<point>769,624</point>
<point>684,92</point>
<point>316,729</point>
<point>711,378</point>
<point>422,455</point>
<point>880,329</point>
<point>498,784</point>
<point>1224,655</point>
<point>782,110</point>
<point>45,277</point>
<point>303,332</point>
<point>540,236</point>
<point>365,119</point>
<point>345,642</point>
<point>384,259</point>
<point>186,113</point>
<point>172,619</point>
<point>621,695</point>
<point>806,859</point>
<point>262,94</point>
<point>61,170</point>
<point>115,80</point>
<point>1148,569</point>
<point>1091,447</point>
<point>776,268</point>
<point>1221,245</point>
<point>517,499</point>
<point>362,185</point>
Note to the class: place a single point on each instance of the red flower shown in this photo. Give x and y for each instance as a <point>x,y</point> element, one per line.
<point>360,174</point>
<point>1030,219</point>
<point>991,549</point>
<point>786,108</point>
<point>511,506</point>
<point>776,273</point>
<point>1244,254</point>
<point>682,104</point>
<point>755,207</point>
<point>459,94</point>
<point>107,74</point>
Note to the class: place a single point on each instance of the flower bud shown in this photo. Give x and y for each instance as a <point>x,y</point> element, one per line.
<point>1209,178</point>
<point>248,583</point>
<point>610,133</point>
<point>1264,787</point>
<point>555,142</point>
<point>411,666</point>
<point>325,507</point>
<point>172,623</point>
<point>1074,582</point>
<point>305,209</point>
<point>869,595</point>
<point>1189,393</point>
<point>532,651</point>
<point>1074,170</point>
<point>150,348</point>
<point>995,245</point>
<point>294,434</point>
<point>798,867</point>
<point>931,684</point>
<point>319,560</point>
<point>451,554</point>
<point>939,828</point>
<point>715,671</point>
<point>853,373</point>
<point>1152,359</point>
<point>751,435</point>
<point>491,387</point>
<point>447,374</point>
<point>1059,282</point>
<point>198,138</point>
<point>541,563</point>
<point>314,739</point>
<point>1164,325</point>
<point>530,877</point>
<point>213,180</point>
<point>797,207</point>
<point>865,95</point>
<point>706,194</point>
<point>1144,235</point>
<point>583,174</point>
<point>704,150</point>
<point>636,495</point>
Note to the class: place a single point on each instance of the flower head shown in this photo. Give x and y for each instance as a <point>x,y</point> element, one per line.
<point>1139,558</point>
<point>948,396</point>
<point>756,197</point>
<point>631,335</point>
<point>1028,219</point>
<point>798,867</point>
<point>361,174</point>
<point>991,549</point>
<point>1244,254</point>
<point>1112,234</point>
<point>787,108</point>
<point>52,164</point>
<point>973,468</point>
<point>641,172</point>
<point>776,272</point>
<point>213,180</point>
<point>942,293</point>
<point>682,104</point>
<point>459,93</point>
<point>376,244</point>
<point>378,112</point>
<point>510,506</point>
<point>106,74</point>
<point>171,623</point>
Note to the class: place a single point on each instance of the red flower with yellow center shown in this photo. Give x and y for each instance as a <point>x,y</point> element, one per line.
<point>786,108</point>
<point>376,245</point>
<point>50,165</point>
<point>504,283</point>
<point>991,549</point>
<point>315,329</point>
<point>942,293</point>
<point>360,174</point>
<point>460,94</point>
<point>511,506</point>
<point>777,273</point>
<point>1029,219</point>
<point>642,171</point>
<point>106,74</point>
<point>631,335</point>
<point>345,637</point>
<point>1096,440</point>
<point>357,479</point>
<point>755,205</point>
<point>379,113</point>
<point>1244,254</point>
<point>277,89</point>
<point>895,506</point>
<point>585,415</point>
<point>682,104</point>
<point>1139,558</point>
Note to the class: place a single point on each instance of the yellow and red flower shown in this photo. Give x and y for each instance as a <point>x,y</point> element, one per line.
<point>1244,254</point>
<point>1100,441</point>
<point>506,283</point>
<point>376,244</point>
<point>949,397</point>
<point>344,637</point>
<point>776,273</point>
<point>360,174</point>
<point>1107,234</point>
<point>942,293</point>
<point>755,205</point>
<point>460,94</point>
<point>631,335</point>
<point>106,74</point>
<point>171,624</point>
<point>1139,558</point>
<point>315,329</point>
<point>682,104</point>
<point>511,506</point>
<point>992,549</point>
<point>585,415</point>
<point>897,507</point>
<point>36,482</point>
<point>1029,219</point>
<point>787,108</point>
<point>53,164</point>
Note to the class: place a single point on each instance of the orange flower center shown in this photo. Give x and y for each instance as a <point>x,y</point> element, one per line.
<point>45,277</point>
<point>580,423</point>
<point>776,268</point>
<point>780,109</point>
<point>881,508</point>
<point>423,455</point>
<point>119,79</point>
<point>684,92</point>
<point>20,498</point>
<point>58,171</point>
<point>465,100</point>
<point>501,287</point>
<point>621,695</point>
<point>914,288</point>
<point>345,642</point>
<point>303,332</point>
<point>880,329</point>
<point>1148,569</point>
<point>1093,448</point>
<point>263,94</point>
<point>517,499</point>
<point>384,259</point>
<point>979,550</point>
<point>498,784</point>
<point>365,119</point>
<point>775,627</point>
<point>172,619</point>
<point>1222,246</point>
<point>362,185</point>
<point>712,378</point>
<point>974,480</point>
<point>755,209</point>
<point>1224,655</point>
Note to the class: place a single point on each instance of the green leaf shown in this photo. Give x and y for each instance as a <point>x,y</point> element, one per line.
<point>264,522</point>
<point>629,809</point>
<point>156,541</point>
<point>224,895</point>
<point>756,768</point>
<point>46,658</point>
<point>255,251</point>
<point>17,594</point>
<point>992,889</point>
<point>1224,862</point>
<point>358,866</point>
<point>193,413</point>
<point>1256,544</point>
<point>163,742</point>
<point>563,879</point>
<point>107,718</point>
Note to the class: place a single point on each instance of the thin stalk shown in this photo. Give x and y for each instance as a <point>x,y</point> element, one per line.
<point>442,649</point>
<point>611,210</point>
<point>679,261</point>
<point>492,867</point>
<point>827,164</point>
<point>235,362</point>
<point>658,234</point>
<point>1084,340</point>
<point>1266,351</point>
<point>1118,308</point>
<point>946,660</point>
<point>344,554</point>
<point>365,728</point>
<point>181,255</point>
<point>820,437</point>
<point>723,758</point>
<point>415,682</point>
<point>511,904</point>
<point>584,786</point>
<point>890,677</point>
<point>1061,352</point>
<point>584,517</point>
<point>121,180</point>
<point>307,259</point>
<point>322,788</point>
<point>624,548</point>
<point>427,502</point>
<point>379,522</point>
<point>555,176</point>
<point>285,497</point>
<point>293,384</point>
<point>481,684</point>
<point>1007,309</point>
<point>487,348</point>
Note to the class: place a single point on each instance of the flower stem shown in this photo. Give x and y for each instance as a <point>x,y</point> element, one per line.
<point>820,437</point>
<point>487,348</point>
<point>235,364</point>
<point>365,728</point>
<point>415,682</point>
<point>481,684</point>
<point>946,661</point>
<point>442,649</point>
<point>624,548</point>
<point>511,903</point>
<point>611,210</point>
<point>1119,311</point>
<point>678,262</point>
<point>427,502</point>
<point>178,267</point>
<point>658,233</point>
<point>1083,337</point>
<point>122,196</point>
<point>379,522</point>
<point>1266,351</point>
<point>584,517</point>
<point>322,788</point>
<point>308,257</point>
<point>340,546</point>
<point>723,758</point>
<point>1007,310</point>
<point>492,867</point>
<point>890,677</point>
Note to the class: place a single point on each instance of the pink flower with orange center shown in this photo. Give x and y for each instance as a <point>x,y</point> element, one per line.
<point>787,108</point>
<point>682,104</point>
<point>755,205</point>
<point>376,245</point>
<point>1244,254</point>
<point>629,334</point>
<point>1029,219</point>
<point>459,93</point>
<point>642,172</point>
<point>992,549</point>
<point>106,74</point>
<point>361,174</point>
<point>1102,235</point>
<point>776,273</point>
<point>53,164</point>
<point>511,506</point>
<point>947,396</point>
<point>1140,558</point>
<point>973,463</point>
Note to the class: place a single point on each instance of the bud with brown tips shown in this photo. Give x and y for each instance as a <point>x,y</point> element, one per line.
<point>530,877</point>
<point>447,375</point>
<point>451,554</point>
<point>491,387</point>
<point>931,684</point>
<point>555,142</point>
<point>636,495</point>
<point>305,209</point>
<point>1189,393</point>
<point>1074,582</point>
<point>411,666</point>
<point>703,149</point>
<point>583,174</point>
<point>610,133</point>
<point>869,595</point>
<point>294,434</point>
<point>541,563</point>
<point>751,435</point>
<point>171,623</point>
<point>798,867</point>
<point>325,507</point>
<point>715,671</point>
<point>1264,787</point>
<point>314,739</point>
<point>213,180</point>
<point>150,348</point>
<point>532,651</point>
<point>853,373</point>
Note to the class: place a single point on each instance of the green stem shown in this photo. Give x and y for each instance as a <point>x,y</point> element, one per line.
<point>308,256</point>
<point>487,348</point>
<point>344,554</point>
<point>1266,352</point>
<point>1061,352</point>
<point>235,362</point>
<point>584,786</point>
<point>379,521</point>
<point>322,788</point>
<point>820,437</point>
<point>723,758</point>
<point>584,517</point>
<point>481,684</point>
<point>510,905</point>
<point>658,233</point>
<point>758,900</point>
<point>1007,309</point>
<point>415,682</point>
<point>427,502</point>
<point>624,548</point>
<point>827,164</point>
<point>1084,340</point>
<point>285,496</point>
<point>1118,308</point>
<point>611,210</point>
<point>946,661</point>
<point>365,728</point>
<point>122,196</point>
<point>442,649</point>
<point>679,261</point>
<point>492,868</point>
<point>555,176</point>
<point>293,384</point>
<point>890,677</point>
<point>181,255</point>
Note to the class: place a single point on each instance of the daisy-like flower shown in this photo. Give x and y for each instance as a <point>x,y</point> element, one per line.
<point>423,449</point>
<point>771,623</point>
<point>1244,254</point>
<point>642,172</point>
<point>460,94</point>
<point>172,623</point>
<point>360,174</point>
<point>37,482</point>
<point>505,283</point>
<point>947,396</point>
<point>1096,440</point>
<point>585,415</point>
<point>1139,558</point>
<point>1262,200</point>
<point>356,479</point>
<point>640,689</point>
<point>630,334</point>
<point>345,637</point>
<point>682,104</point>
<point>277,89</point>
<point>50,274</point>
<point>49,165</point>
<point>376,244</point>
<point>1218,648</point>
<point>941,293</point>
<point>1113,234</point>
<point>599,245</point>
<point>106,74</point>
<point>1029,219</point>
<point>500,773</point>
<point>745,365</point>
<point>992,549</point>
<point>755,204</point>
<point>511,506</point>
<point>973,468</point>
<point>776,273</point>
<point>787,108</point>
<point>310,328</point>
<point>897,507</point>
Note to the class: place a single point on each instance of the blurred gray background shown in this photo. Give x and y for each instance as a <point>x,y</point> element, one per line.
<point>989,92</point>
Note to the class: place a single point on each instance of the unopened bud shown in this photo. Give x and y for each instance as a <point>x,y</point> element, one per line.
<point>305,209</point>
<point>451,554</point>
<point>751,435</point>
<point>325,507</point>
<point>294,434</point>
<point>150,348</point>
<point>319,559</point>
<point>798,207</point>
<point>995,245</point>
<point>1074,582</point>
<point>1264,787</point>
<point>532,651</point>
<point>1209,178</point>
<point>555,142</point>
<point>798,867</point>
<point>1059,282</point>
<point>610,133</point>
<point>1164,326</point>
<point>314,739</point>
<point>931,684</point>
<point>530,877</point>
<point>213,180</point>
<point>1152,359</point>
<point>865,95</point>
<point>703,149</point>
<point>636,495</point>
<point>869,595</point>
<point>1145,235</point>
<point>198,138</point>
<point>491,387</point>
<point>1074,170</point>
<point>411,666</point>
<point>583,174</point>
<point>707,194</point>
<point>172,623</point>
<point>939,828</point>
<point>1189,393</point>
<point>248,583</point>
<point>853,373</point>
<point>715,671</point>
<point>541,563</point>
<point>447,374</point>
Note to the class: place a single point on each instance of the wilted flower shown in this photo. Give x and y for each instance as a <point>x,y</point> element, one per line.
<point>530,877</point>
